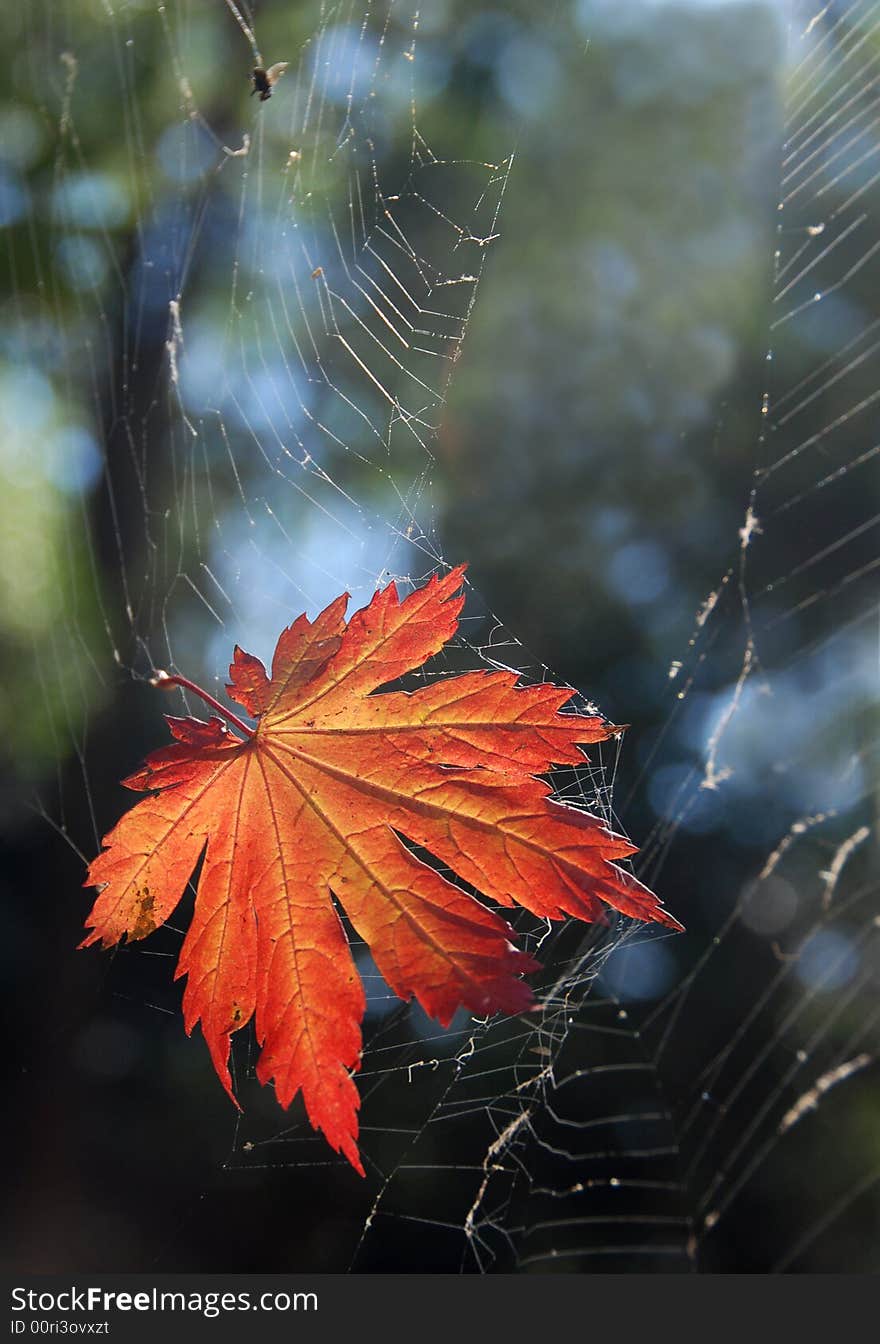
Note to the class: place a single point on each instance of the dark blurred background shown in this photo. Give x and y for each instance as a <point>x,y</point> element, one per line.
<point>657,454</point>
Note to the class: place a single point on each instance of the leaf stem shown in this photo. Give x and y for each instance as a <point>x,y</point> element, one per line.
<point>165,680</point>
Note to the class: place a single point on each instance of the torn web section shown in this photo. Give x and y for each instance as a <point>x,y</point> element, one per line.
<point>809,684</point>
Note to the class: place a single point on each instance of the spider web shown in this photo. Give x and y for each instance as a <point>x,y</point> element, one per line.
<point>238,351</point>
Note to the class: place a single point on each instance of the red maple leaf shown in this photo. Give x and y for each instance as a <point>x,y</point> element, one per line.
<point>315,802</point>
